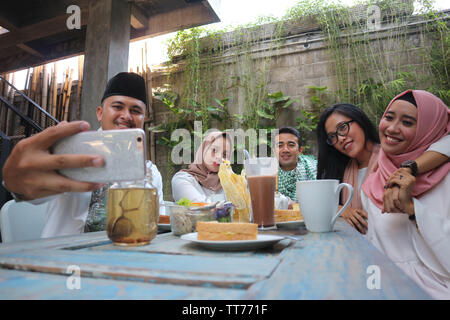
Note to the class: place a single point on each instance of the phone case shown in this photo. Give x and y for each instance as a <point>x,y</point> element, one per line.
<point>123,151</point>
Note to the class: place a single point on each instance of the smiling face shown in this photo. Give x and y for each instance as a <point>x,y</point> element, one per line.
<point>398,127</point>
<point>353,144</point>
<point>287,150</point>
<point>218,150</point>
<point>121,112</point>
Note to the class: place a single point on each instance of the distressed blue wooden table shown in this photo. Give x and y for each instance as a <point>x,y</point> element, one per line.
<point>337,265</point>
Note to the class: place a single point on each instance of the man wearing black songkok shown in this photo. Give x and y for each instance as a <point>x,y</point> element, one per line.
<point>31,171</point>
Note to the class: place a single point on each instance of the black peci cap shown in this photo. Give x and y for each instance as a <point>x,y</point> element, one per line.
<point>127,84</point>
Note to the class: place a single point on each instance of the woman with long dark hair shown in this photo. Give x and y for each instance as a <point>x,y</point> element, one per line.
<point>348,151</point>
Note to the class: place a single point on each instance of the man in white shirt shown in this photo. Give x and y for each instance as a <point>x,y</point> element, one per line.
<point>31,174</point>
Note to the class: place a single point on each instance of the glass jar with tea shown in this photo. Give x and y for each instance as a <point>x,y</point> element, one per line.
<point>133,212</point>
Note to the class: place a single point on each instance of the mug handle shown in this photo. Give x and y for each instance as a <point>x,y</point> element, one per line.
<point>338,191</point>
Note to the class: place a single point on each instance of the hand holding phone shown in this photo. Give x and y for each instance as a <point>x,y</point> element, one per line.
<point>123,152</point>
<point>31,170</point>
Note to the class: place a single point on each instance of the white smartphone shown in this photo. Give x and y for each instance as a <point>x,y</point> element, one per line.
<point>123,152</point>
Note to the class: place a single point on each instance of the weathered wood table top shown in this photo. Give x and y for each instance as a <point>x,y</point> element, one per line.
<point>336,265</point>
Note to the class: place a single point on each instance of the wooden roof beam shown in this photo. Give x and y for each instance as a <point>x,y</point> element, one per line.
<point>39,30</point>
<point>138,19</point>
<point>12,28</point>
<point>194,15</point>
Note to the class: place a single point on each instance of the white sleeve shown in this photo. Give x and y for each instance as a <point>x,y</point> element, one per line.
<point>433,219</point>
<point>157,182</point>
<point>42,200</point>
<point>185,185</point>
<point>441,146</point>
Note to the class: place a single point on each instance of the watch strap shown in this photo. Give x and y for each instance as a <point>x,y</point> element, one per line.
<point>412,165</point>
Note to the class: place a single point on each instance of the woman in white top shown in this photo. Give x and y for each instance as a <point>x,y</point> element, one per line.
<point>200,182</point>
<point>415,234</point>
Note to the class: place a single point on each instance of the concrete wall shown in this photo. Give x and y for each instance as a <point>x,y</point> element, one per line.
<point>301,60</point>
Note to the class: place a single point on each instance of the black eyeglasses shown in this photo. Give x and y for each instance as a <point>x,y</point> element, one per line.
<point>341,130</point>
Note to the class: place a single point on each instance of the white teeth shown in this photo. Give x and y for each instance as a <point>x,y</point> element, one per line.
<point>390,139</point>
<point>346,145</point>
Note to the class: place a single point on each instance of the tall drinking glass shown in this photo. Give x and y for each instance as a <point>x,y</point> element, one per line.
<point>261,177</point>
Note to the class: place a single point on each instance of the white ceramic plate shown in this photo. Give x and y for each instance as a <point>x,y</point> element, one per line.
<point>290,224</point>
<point>164,226</point>
<point>262,241</point>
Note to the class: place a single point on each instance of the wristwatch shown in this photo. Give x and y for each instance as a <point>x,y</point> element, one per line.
<point>412,165</point>
<point>17,196</point>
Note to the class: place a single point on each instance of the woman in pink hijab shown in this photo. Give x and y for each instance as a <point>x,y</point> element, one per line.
<point>200,182</point>
<point>416,233</point>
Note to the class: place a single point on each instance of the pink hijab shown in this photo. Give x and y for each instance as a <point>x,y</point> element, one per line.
<point>198,169</point>
<point>433,123</point>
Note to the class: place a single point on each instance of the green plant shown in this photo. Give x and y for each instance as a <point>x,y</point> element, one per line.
<point>217,66</point>
<point>319,98</point>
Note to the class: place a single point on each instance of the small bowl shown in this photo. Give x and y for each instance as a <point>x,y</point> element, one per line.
<point>184,221</point>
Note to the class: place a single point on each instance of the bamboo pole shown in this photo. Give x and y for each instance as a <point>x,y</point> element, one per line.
<point>3,110</point>
<point>55,91</point>
<point>33,90</point>
<point>44,88</point>
<point>69,90</point>
<point>151,111</point>
<point>44,94</point>
<point>5,87</point>
<point>59,95</point>
<point>80,84</point>
<point>50,92</point>
<point>9,126</point>
<point>25,90</point>
<point>66,83</point>
<point>41,117</point>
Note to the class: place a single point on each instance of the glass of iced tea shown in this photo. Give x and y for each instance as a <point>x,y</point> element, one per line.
<point>261,176</point>
<point>133,212</point>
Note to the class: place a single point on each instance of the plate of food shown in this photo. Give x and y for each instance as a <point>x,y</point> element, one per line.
<point>227,236</point>
<point>288,219</point>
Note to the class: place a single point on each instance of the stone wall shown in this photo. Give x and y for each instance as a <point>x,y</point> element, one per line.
<point>302,60</point>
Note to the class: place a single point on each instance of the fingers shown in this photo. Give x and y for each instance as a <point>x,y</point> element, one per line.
<point>359,222</point>
<point>390,200</point>
<point>356,218</point>
<point>55,162</point>
<point>389,196</point>
<point>359,216</point>
<point>49,136</point>
<point>401,177</point>
<point>357,225</point>
<point>60,184</point>
<point>54,183</point>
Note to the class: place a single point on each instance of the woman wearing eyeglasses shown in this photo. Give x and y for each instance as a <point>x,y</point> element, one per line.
<point>348,150</point>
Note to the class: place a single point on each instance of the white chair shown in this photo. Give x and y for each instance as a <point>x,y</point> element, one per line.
<point>22,221</point>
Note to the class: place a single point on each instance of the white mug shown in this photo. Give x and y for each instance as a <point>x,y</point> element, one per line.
<point>319,201</point>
